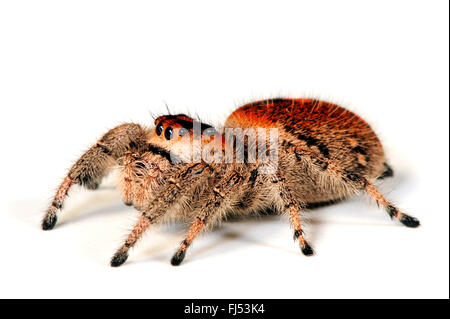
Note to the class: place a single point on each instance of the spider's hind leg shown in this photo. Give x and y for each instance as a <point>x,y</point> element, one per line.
<point>393,211</point>
<point>362,183</point>
<point>94,164</point>
<point>356,182</point>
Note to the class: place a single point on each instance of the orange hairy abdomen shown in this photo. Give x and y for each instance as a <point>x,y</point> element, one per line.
<point>340,135</point>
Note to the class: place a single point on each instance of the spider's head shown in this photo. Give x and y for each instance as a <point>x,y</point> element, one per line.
<point>176,135</point>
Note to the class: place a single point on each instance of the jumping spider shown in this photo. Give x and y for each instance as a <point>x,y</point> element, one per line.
<point>325,153</point>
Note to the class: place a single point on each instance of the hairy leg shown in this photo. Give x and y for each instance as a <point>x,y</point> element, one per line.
<point>293,208</point>
<point>214,204</point>
<point>362,184</point>
<point>359,183</point>
<point>95,163</point>
<point>122,254</point>
<point>393,211</point>
<point>195,229</point>
<point>164,201</point>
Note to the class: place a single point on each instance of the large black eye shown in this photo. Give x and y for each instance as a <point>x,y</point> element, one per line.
<point>159,129</point>
<point>168,133</point>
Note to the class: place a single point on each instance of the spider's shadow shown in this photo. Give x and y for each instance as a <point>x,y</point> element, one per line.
<point>104,201</point>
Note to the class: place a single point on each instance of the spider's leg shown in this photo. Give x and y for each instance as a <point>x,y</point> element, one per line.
<point>214,204</point>
<point>95,163</point>
<point>195,229</point>
<point>189,176</point>
<point>393,211</point>
<point>360,183</point>
<point>293,208</point>
<point>141,226</point>
<point>357,182</point>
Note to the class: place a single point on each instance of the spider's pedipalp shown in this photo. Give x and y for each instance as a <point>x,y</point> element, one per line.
<point>127,180</point>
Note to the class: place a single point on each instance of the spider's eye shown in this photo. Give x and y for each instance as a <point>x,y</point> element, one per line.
<point>168,133</point>
<point>159,129</point>
<point>182,131</point>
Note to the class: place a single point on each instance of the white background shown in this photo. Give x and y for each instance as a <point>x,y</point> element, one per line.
<point>71,70</point>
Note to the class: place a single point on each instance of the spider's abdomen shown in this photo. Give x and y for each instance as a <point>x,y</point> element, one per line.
<point>328,130</point>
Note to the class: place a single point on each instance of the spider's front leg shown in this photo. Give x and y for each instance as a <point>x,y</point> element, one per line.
<point>213,206</point>
<point>95,163</point>
<point>189,176</point>
<point>139,229</point>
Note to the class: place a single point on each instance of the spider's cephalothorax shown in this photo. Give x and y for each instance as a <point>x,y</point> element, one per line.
<point>325,153</point>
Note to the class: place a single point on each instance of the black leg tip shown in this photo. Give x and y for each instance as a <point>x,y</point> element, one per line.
<point>49,222</point>
<point>307,249</point>
<point>409,221</point>
<point>118,259</point>
<point>178,258</point>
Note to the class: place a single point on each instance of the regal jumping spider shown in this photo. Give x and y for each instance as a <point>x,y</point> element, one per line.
<point>325,153</point>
